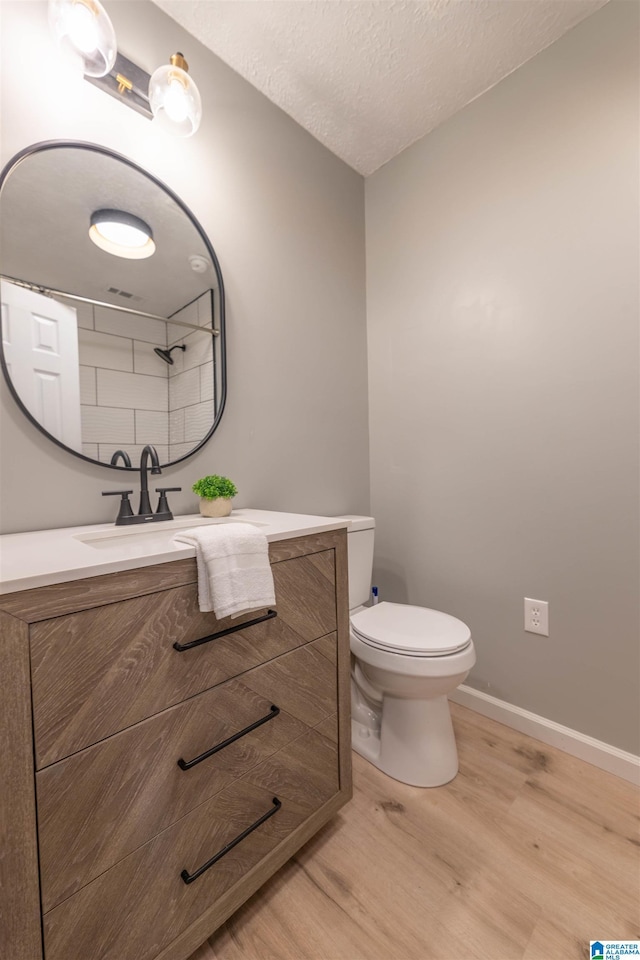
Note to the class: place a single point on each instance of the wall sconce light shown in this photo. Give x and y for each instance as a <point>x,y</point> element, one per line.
<point>174,97</point>
<point>169,95</point>
<point>84,28</point>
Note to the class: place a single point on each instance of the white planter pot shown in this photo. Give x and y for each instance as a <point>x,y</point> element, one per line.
<point>221,507</point>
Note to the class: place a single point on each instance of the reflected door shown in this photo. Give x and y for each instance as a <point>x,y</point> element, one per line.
<point>40,343</point>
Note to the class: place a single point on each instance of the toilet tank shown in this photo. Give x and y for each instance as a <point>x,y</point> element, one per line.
<point>360,546</point>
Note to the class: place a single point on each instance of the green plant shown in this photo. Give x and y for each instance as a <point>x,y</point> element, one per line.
<point>210,488</point>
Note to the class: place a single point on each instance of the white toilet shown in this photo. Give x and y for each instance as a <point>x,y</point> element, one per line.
<point>405,660</point>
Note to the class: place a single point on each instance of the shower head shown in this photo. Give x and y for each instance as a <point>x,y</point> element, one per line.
<point>166,354</point>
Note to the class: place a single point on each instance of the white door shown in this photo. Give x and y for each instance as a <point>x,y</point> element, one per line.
<point>40,343</point>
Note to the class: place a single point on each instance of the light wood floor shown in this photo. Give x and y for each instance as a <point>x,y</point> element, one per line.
<point>527,855</point>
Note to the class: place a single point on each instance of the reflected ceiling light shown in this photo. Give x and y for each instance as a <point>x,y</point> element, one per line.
<point>174,97</point>
<point>84,27</point>
<point>122,234</point>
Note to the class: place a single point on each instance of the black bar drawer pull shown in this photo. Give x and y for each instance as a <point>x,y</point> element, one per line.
<point>223,633</point>
<point>190,877</point>
<point>187,764</point>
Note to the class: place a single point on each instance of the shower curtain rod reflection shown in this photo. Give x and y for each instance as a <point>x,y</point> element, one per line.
<point>50,292</point>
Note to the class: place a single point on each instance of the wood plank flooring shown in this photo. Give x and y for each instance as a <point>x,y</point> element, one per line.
<point>527,855</point>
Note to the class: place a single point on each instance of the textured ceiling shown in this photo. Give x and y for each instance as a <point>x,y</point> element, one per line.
<point>369,77</point>
<point>51,194</point>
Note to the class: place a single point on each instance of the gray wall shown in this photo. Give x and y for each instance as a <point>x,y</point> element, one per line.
<point>286,219</point>
<point>502,301</point>
<point>502,258</point>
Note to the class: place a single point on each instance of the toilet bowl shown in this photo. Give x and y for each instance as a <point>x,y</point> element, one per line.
<point>405,660</point>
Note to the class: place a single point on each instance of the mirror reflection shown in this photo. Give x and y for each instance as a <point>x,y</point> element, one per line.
<point>107,348</point>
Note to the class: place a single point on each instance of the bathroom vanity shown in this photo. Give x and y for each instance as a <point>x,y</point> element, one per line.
<point>161,764</point>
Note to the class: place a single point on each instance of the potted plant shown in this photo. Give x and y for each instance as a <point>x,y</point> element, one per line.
<point>215,495</point>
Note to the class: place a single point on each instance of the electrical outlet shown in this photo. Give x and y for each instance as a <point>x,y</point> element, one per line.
<point>536,616</point>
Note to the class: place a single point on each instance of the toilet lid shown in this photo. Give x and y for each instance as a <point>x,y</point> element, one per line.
<point>403,628</point>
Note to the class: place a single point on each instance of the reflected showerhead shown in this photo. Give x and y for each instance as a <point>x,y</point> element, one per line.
<point>166,354</point>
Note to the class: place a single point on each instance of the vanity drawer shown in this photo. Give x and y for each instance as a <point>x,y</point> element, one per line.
<point>138,906</point>
<point>104,669</point>
<point>130,786</point>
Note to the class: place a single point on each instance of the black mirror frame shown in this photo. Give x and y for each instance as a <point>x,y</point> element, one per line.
<point>220,321</point>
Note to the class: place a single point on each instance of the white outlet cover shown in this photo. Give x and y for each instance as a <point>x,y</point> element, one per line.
<point>536,616</point>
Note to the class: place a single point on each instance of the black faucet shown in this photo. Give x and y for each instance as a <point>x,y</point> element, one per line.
<point>145,513</point>
<point>145,503</point>
<point>126,459</point>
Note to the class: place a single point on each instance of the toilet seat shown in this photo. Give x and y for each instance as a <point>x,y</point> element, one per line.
<point>410,630</point>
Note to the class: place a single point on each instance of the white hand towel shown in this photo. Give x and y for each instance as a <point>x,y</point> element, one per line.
<point>234,573</point>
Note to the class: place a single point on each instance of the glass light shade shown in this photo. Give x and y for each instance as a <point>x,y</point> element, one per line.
<point>84,28</point>
<point>121,234</point>
<point>175,100</point>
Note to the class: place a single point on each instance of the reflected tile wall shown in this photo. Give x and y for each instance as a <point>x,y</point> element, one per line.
<point>124,386</point>
<point>130,396</point>
<point>191,387</point>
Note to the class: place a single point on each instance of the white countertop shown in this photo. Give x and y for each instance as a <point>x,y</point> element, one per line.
<point>41,557</point>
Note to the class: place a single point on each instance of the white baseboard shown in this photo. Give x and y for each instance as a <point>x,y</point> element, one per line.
<point>603,755</point>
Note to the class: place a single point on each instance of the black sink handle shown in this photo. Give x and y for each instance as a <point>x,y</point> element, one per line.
<point>163,503</point>
<point>125,506</point>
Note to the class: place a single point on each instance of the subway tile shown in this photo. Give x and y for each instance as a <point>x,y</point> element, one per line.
<point>198,420</point>
<point>176,426</point>
<point>184,389</point>
<point>176,334</point>
<point>178,359</point>
<point>106,452</point>
<point>199,313</point>
<point>188,314</point>
<point>106,351</point>
<point>146,361</point>
<point>133,390</point>
<point>88,385</point>
<point>177,450</point>
<point>84,311</point>
<point>135,452</point>
<point>130,325</point>
<point>199,350</point>
<point>84,314</point>
<point>90,450</point>
<point>163,457</point>
<point>205,315</point>
<point>152,427</point>
<point>107,425</point>
<point>206,381</point>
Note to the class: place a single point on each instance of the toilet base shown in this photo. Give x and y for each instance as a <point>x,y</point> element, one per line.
<point>414,742</point>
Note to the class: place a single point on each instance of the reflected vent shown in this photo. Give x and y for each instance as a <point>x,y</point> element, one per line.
<point>123,293</point>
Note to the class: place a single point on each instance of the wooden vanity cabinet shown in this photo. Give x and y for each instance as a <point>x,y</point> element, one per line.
<point>161,764</point>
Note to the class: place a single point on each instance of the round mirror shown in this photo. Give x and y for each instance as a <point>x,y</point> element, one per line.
<point>113,333</point>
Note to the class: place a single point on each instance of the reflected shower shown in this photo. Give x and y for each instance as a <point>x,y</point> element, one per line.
<point>166,354</point>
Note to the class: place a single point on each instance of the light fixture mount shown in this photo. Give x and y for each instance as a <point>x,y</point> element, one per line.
<point>178,60</point>
<point>169,95</point>
<point>128,83</point>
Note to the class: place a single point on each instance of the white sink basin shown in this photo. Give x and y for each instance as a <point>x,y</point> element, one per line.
<point>154,531</point>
